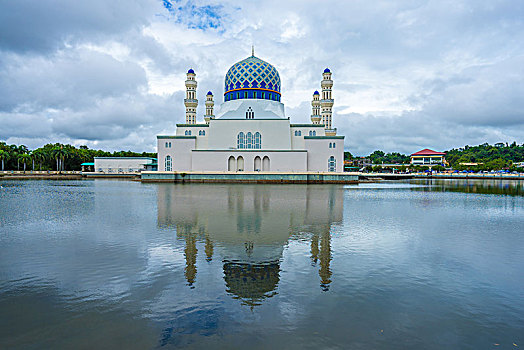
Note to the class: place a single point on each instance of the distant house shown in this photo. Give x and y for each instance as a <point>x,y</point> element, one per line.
<point>428,157</point>
<point>499,144</point>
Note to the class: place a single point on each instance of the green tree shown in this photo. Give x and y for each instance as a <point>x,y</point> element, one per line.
<point>39,155</point>
<point>25,158</point>
<point>4,155</point>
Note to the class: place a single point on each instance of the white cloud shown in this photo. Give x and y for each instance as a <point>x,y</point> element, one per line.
<point>408,75</point>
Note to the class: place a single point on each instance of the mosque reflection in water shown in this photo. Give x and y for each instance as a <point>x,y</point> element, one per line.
<point>247,227</point>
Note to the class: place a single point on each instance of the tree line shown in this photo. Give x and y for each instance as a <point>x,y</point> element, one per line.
<point>486,156</point>
<point>55,156</point>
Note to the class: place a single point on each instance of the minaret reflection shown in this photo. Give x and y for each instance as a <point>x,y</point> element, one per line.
<point>248,227</point>
<point>209,248</point>
<point>325,260</point>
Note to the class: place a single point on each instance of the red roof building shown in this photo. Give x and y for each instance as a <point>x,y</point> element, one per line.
<point>428,157</point>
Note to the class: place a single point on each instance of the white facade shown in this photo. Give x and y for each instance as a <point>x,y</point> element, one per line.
<point>122,164</point>
<point>251,132</point>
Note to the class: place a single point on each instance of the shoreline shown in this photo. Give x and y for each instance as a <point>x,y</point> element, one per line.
<point>246,177</point>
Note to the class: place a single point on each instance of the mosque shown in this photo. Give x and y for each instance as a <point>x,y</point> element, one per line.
<point>250,131</point>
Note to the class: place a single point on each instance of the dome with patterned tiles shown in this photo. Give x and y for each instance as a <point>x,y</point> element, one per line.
<point>252,73</point>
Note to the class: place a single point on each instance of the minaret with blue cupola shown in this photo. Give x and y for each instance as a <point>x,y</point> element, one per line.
<point>191,101</point>
<point>326,103</point>
<point>315,108</point>
<point>209,107</point>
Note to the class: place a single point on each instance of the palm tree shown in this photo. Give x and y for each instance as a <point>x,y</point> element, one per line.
<point>18,151</point>
<point>60,154</point>
<point>25,158</point>
<point>39,155</point>
<point>4,155</point>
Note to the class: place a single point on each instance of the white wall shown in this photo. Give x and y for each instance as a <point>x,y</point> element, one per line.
<point>291,161</point>
<point>297,142</point>
<point>180,153</point>
<point>223,133</point>
<point>319,153</point>
<point>236,109</point>
<point>124,164</point>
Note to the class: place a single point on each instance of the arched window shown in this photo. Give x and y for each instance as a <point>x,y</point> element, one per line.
<point>203,133</point>
<point>330,145</point>
<point>334,144</point>
<point>332,164</point>
<point>310,133</point>
<point>296,133</point>
<point>250,114</point>
<point>299,133</point>
<point>167,163</point>
<point>185,132</point>
<point>258,140</point>
<point>199,132</point>
<point>167,144</point>
<point>240,140</point>
<point>314,133</point>
<point>249,140</point>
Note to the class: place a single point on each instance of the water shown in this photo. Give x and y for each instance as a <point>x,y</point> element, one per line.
<point>397,265</point>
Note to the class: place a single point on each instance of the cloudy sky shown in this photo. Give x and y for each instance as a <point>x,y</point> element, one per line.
<point>407,74</point>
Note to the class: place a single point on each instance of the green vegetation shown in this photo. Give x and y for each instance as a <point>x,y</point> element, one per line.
<point>379,157</point>
<point>55,157</point>
<point>492,157</point>
<point>501,156</point>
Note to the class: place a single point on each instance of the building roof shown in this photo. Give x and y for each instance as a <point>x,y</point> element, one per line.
<point>191,71</point>
<point>86,164</point>
<point>428,152</point>
<point>252,73</point>
<point>327,70</point>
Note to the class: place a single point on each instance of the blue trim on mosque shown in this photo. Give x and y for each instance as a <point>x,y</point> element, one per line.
<point>257,94</point>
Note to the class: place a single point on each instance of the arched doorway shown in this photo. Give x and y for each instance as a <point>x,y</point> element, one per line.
<point>231,164</point>
<point>265,164</point>
<point>240,163</point>
<point>257,164</point>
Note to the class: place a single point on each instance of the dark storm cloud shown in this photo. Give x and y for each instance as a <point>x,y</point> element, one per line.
<point>73,80</point>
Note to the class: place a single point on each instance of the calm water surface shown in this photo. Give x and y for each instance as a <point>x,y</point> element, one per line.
<point>398,265</point>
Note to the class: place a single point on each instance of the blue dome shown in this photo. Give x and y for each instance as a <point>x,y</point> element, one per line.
<point>191,71</point>
<point>252,73</point>
<point>327,70</point>
<point>316,93</point>
<point>209,93</point>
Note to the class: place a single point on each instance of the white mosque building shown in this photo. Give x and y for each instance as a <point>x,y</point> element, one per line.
<point>250,131</point>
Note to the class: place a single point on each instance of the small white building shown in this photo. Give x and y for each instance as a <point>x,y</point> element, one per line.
<point>250,132</point>
<point>123,164</point>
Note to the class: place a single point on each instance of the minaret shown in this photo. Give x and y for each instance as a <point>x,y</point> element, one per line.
<point>209,107</point>
<point>191,101</point>
<point>326,103</point>
<point>315,108</point>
